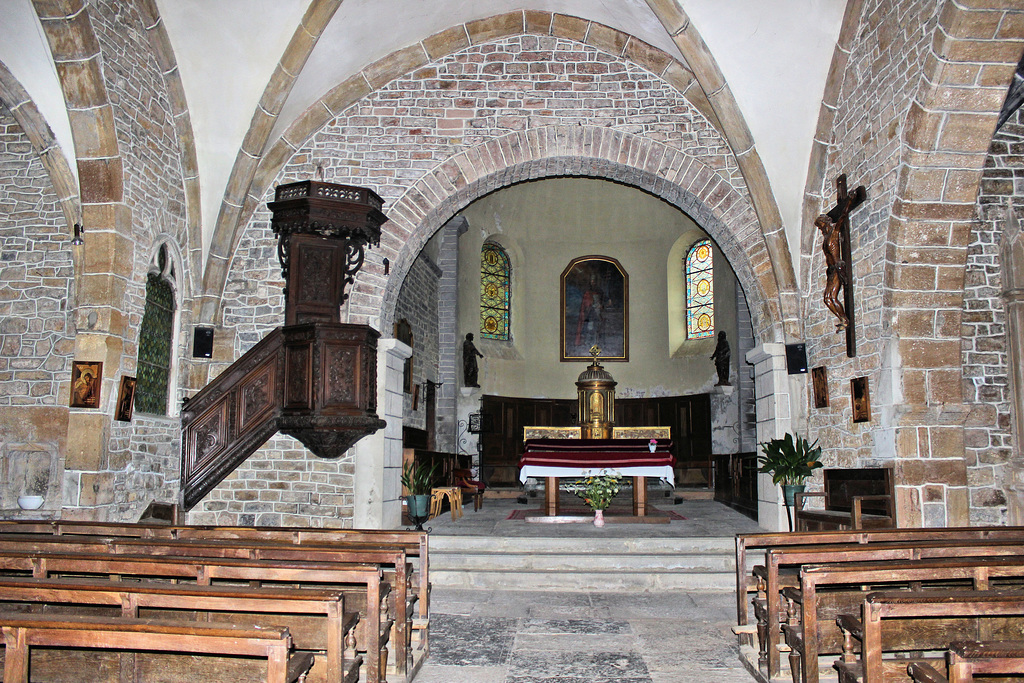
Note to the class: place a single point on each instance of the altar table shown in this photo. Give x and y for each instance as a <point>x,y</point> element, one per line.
<point>553,458</point>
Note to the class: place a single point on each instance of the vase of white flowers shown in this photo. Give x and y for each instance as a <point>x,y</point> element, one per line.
<point>597,491</point>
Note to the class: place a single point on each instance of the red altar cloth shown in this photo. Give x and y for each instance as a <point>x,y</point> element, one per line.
<point>596,453</point>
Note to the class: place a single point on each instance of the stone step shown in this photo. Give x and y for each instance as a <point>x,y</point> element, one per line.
<point>567,564</point>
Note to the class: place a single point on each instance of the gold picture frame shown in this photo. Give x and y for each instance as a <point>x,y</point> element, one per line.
<point>860,399</point>
<point>86,383</point>
<point>125,399</point>
<point>594,309</point>
<point>819,380</point>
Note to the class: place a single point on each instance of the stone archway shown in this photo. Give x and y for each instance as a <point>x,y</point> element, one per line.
<point>676,177</point>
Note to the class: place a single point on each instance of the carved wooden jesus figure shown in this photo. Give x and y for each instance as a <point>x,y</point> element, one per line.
<point>835,231</point>
<point>835,268</point>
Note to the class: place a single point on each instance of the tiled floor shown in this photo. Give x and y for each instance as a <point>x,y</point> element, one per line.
<point>516,637</point>
<point>585,637</point>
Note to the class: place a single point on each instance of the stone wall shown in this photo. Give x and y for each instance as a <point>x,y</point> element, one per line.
<point>141,462</point>
<point>987,437</point>
<point>36,335</point>
<point>418,303</point>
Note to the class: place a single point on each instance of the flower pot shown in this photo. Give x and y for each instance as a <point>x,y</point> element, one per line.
<point>789,492</point>
<point>598,517</point>
<point>419,506</point>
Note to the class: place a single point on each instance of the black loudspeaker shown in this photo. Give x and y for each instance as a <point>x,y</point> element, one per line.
<point>796,358</point>
<point>202,342</point>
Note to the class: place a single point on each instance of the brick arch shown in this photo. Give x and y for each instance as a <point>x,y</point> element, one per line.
<point>720,110</point>
<point>676,177</point>
<point>44,144</point>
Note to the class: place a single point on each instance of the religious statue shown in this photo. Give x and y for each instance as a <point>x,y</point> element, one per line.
<point>835,268</point>
<point>721,357</point>
<point>470,370</point>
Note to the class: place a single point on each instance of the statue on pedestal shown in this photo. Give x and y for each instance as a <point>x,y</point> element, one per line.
<point>470,369</point>
<point>721,357</point>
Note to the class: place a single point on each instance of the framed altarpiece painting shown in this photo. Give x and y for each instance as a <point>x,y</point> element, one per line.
<point>594,309</point>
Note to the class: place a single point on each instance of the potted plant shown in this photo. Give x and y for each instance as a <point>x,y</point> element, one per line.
<point>418,480</point>
<point>597,491</point>
<point>790,460</point>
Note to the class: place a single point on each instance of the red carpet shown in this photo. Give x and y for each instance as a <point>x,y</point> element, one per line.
<point>621,512</point>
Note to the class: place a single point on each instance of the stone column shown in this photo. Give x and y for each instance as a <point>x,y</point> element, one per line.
<point>1012,260</point>
<point>449,344</point>
<point>773,399</point>
<point>377,502</point>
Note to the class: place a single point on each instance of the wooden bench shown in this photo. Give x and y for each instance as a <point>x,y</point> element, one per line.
<point>767,605</point>
<point>829,590</point>
<point>21,632</point>
<point>364,589</point>
<point>256,550</point>
<point>414,543</point>
<point>857,498</point>
<point>315,618</point>
<point>747,583</point>
<point>966,658</point>
<point>901,621</point>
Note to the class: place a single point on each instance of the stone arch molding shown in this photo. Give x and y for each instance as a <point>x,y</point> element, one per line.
<point>674,176</point>
<point>692,78</point>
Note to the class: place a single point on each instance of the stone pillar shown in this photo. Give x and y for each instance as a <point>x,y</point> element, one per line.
<point>773,399</point>
<point>377,502</point>
<point>449,344</point>
<point>1012,261</point>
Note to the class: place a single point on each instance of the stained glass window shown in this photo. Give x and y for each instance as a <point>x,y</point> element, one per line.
<point>156,336</point>
<point>700,291</point>
<point>495,292</point>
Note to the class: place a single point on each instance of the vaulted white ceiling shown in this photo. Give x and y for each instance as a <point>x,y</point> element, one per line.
<point>774,56</point>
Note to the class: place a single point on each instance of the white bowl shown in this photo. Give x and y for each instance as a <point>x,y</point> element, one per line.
<point>30,502</point>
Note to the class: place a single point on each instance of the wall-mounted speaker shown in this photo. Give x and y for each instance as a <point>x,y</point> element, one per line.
<point>202,342</point>
<point>796,358</point>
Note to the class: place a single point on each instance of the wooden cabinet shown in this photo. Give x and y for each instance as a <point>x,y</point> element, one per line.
<point>688,416</point>
<point>736,482</point>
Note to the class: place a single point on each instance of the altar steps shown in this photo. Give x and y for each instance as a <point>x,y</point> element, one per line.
<point>584,564</point>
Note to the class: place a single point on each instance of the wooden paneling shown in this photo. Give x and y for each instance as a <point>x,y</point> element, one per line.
<point>688,416</point>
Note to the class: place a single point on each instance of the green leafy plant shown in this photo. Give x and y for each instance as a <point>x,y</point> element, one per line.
<point>597,491</point>
<point>418,478</point>
<point>789,460</point>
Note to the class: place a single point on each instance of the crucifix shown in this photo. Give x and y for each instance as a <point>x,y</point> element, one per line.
<point>835,231</point>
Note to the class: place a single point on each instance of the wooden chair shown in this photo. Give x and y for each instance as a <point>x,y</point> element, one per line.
<point>854,499</point>
<point>471,488</point>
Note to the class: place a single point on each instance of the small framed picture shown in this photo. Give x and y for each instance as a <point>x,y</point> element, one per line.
<point>861,399</point>
<point>86,383</point>
<point>819,378</point>
<point>125,399</point>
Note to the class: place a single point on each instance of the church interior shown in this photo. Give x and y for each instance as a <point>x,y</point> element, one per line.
<point>759,219</point>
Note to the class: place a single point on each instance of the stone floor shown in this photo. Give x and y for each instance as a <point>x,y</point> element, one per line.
<point>585,637</point>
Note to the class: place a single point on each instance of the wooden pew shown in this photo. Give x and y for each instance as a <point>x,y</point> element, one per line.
<point>21,632</point>
<point>746,583</point>
<point>256,550</point>
<point>828,590</point>
<point>414,543</point>
<point>967,658</point>
<point>910,621</point>
<point>315,618</point>
<point>768,603</point>
<point>364,587</point>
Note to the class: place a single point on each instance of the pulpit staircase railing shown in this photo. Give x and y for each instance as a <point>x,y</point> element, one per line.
<point>230,418</point>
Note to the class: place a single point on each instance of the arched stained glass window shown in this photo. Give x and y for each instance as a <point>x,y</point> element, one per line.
<point>156,336</point>
<point>700,291</point>
<point>495,292</point>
